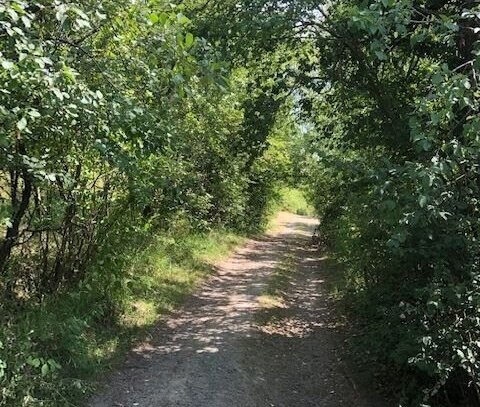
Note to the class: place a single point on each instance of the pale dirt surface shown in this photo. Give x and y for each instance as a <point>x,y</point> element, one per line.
<point>223,350</point>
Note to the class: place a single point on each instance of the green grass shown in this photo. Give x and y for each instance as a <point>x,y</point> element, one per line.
<point>170,269</point>
<point>87,330</point>
<point>293,200</point>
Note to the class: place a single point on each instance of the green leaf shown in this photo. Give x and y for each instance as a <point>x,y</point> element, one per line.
<point>22,124</point>
<point>7,65</point>
<point>69,74</point>
<point>26,22</point>
<point>58,93</point>
<point>163,18</point>
<point>45,369</point>
<point>34,362</point>
<point>182,19</point>
<point>189,39</point>
<point>154,18</point>
<point>422,201</point>
<point>34,113</point>
<point>54,365</point>
<point>381,55</point>
<point>437,79</point>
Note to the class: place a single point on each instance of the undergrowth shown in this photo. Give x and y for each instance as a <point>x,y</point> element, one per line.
<point>52,353</point>
<point>293,200</point>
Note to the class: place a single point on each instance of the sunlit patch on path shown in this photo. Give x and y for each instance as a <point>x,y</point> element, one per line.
<point>223,348</point>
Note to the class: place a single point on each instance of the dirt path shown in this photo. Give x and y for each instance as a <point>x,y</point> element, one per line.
<point>222,350</point>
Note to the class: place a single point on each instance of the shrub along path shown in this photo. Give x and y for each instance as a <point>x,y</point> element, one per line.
<point>228,347</point>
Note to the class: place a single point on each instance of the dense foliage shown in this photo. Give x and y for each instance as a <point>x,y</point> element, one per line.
<point>123,117</point>
<point>387,98</point>
<point>116,122</point>
<point>393,168</point>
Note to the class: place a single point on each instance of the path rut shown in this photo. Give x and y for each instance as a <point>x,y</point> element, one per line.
<point>221,349</point>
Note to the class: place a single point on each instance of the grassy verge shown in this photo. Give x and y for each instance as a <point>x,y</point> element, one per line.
<point>53,353</point>
<point>293,200</point>
<point>170,269</point>
<point>289,200</point>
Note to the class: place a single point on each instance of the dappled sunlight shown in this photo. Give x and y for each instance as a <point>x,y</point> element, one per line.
<point>233,344</point>
<point>289,327</point>
<point>223,308</point>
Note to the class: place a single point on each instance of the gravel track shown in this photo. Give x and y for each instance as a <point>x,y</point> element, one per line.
<point>222,349</point>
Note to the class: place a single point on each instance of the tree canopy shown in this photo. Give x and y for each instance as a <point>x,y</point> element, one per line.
<point>119,115</point>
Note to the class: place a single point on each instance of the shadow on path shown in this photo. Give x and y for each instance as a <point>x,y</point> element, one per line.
<point>213,353</point>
